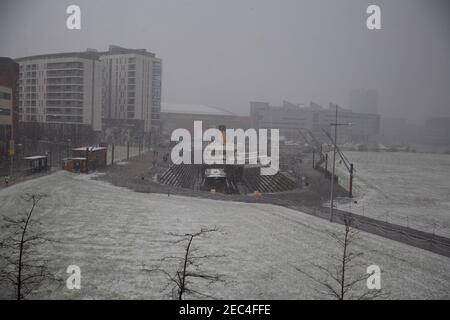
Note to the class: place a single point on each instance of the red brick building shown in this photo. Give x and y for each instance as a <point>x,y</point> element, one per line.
<point>9,75</point>
<point>86,159</point>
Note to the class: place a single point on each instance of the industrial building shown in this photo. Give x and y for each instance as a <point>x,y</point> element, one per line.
<point>174,116</point>
<point>290,118</point>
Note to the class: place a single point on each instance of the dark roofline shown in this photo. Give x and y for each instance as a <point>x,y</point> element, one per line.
<point>91,55</point>
<point>113,49</point>
<point>223,111</point>
<point>8,66</point>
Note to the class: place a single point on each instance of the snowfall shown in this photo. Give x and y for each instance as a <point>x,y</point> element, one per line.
<point>113,233</point>
<point>411,189</point>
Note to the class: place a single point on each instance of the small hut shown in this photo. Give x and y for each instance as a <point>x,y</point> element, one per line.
<point>86,159</point>
<point>36,163</point>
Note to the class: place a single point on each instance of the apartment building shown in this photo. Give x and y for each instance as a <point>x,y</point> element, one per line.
<point>131,89</point>
<point>60,95</point>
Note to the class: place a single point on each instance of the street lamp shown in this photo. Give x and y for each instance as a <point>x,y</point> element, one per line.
<point>335,125</point>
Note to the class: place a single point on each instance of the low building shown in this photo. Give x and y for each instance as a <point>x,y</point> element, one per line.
<point>86,159</point>
<point>177,116</point>
<point>36,163</point>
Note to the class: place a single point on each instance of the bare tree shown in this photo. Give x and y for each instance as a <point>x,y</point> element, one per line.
<point>21,265</point>
<point>188,267</point>
<point>340,280</point>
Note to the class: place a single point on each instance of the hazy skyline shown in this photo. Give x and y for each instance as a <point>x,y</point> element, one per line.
<point>228,53</point>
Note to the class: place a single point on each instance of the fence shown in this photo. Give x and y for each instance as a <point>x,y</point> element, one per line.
<point>120,153</point>
<point>406,234</point>
<point>57,151</point>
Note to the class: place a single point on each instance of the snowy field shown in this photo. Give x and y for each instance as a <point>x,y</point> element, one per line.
<point>110,232</point>
<point>404,188</point>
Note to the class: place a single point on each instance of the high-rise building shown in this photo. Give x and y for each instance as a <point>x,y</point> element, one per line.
<point>61,94</point>
<point>66,95</point>
<point>9,74</point>
<point>132,88</point>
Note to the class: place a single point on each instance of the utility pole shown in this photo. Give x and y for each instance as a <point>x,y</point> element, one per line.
<point>334,166</point>
<point>335,124</point>
<point>112,153</point>
<point>12,148</point>
<point>350,189</point>
<point>11,156</point>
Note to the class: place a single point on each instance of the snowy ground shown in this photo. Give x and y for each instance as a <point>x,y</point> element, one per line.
<point>109,232</point>
<point>404,188</point>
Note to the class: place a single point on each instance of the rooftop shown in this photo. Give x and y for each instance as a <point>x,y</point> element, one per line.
<point>90,148</point>
<point>113,49</point>
<point>35,157</point>
<point>91,55</point>
<point>193,109</point>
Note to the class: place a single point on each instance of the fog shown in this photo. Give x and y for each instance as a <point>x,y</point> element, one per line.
<point>225,53</point>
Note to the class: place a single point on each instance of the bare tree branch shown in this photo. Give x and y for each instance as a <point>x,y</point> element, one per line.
<point>189,266</point>
<point>343,281</point>
<point>22,267</point>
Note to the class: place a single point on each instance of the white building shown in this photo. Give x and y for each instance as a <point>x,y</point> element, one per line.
<point>132,86</point>
<point>63,88</point>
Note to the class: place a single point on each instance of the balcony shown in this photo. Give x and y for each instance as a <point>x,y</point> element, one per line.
<point>64,96</point>
<point>65,66</point>
<point>64,73</point>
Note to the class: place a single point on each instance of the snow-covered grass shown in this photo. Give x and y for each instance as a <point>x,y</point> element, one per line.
<point>404,188</point>
<point>110,232</point>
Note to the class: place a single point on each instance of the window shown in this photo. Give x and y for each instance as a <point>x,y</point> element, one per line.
<point>5,95</point>
<point>5,112</point>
